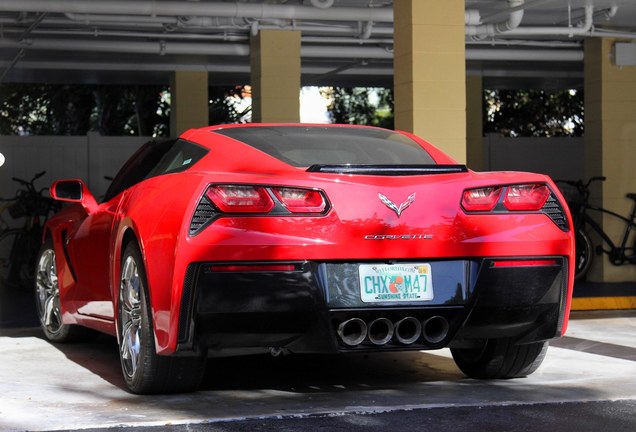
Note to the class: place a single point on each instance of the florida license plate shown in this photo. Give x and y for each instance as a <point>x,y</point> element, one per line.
<point>395,282</point>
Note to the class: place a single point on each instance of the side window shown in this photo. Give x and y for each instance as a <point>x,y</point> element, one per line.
<point>138,166</point>
<point>181,156</point>
<point>153,159</point>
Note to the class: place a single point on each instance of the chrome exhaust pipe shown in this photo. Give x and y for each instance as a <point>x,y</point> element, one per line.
<point>380,331</point>
<point>352,331</point>
<point>435,329</point>
<point>408,330</point>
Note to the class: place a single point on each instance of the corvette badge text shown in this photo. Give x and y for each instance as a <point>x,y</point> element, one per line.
<point>398,237</point>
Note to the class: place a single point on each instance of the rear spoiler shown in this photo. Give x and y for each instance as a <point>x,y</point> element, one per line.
<point>389,170</point>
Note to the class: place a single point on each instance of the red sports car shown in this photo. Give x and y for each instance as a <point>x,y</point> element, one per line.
<point>289,238</point>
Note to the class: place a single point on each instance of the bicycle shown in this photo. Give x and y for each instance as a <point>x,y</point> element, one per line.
<point>579,204</point>
<point>19,246</point>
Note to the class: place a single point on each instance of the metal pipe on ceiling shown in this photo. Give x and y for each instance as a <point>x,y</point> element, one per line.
<point>310,51</point>
<point>181,8</point>
<point>91,18</point>
<point>513,21</point>
<point>582,29</point>
<point>195,36</point>
<point>519,55</point>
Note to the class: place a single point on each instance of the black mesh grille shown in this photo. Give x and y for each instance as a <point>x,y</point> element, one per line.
<point>203,215</point>
<point>187,304</point>
<point>554,210</point>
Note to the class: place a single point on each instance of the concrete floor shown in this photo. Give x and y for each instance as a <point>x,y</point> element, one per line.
<point>57,387</point>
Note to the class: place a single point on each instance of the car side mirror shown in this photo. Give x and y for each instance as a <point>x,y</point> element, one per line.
<point>74,190</point>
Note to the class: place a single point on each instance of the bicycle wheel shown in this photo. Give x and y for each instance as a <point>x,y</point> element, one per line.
<point>584,254</point>
<point>18,250</point>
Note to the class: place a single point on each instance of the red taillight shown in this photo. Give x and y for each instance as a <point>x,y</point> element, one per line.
<point>526,197</point>
<point>521,197</point>
<point>481,199</point>
<point>300,200</point>
<point>262,199</point>
<point>240,198</point>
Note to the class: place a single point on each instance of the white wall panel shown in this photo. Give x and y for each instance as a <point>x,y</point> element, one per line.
<point>89,158</point>
<point>559,157</point>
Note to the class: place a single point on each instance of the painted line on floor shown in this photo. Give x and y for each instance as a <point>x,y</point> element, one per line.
<point>603,303</point>
<point>595,347</point>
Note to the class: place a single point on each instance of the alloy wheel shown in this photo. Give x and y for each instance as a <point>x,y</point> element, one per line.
<point>48,293</point>
<point>130,316</point>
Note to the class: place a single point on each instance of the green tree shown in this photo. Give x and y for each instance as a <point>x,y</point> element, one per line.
<point>538,113</point>
<point>229,104</point>
<point>53,109</point>
<point>360,105</point>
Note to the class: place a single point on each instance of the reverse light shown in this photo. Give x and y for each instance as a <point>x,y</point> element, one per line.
<point>481,199</point>
<point>300,200</point>
<point>244,268</point>
<point>240,198</point>
<point>526,197</point>
<point>525,263</point>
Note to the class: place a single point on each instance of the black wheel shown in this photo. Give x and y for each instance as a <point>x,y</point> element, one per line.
<point>500,359</point>
<point>18,254</point>
<point>144,371</point>
<point>47,300</point>
<point>584,254</point>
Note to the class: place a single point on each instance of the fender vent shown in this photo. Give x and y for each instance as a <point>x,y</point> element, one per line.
<point>553,209</point>
<point>204,214</point>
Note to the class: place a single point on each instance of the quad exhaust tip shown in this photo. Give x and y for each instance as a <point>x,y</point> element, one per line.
<point>408,330</point>
<point>352,331</point>
<point>381,331</point>
<point>435,329</point>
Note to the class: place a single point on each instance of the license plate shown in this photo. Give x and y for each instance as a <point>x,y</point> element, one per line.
<point>395,282</point>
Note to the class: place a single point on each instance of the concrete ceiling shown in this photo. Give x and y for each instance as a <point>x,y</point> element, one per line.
<point>512,43</point>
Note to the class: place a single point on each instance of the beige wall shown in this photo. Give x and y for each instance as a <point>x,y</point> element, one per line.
<point>430,72</point>
<point>189,101</point>
<point>610,143</point>
<point>474,123</point>
<point>275,76</point>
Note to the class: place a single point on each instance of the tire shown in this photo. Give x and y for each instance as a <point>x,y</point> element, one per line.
<point>47,300</point>
<point>500,359</point>
<point>144,371</point>
<point>18,252</point>
<point>584,254</point>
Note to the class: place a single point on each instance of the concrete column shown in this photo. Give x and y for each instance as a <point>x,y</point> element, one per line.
<point>188,101</point>
<point>610,134</point>
<point>430,72</point>
<point>275,76</point>
<point>475,123</point>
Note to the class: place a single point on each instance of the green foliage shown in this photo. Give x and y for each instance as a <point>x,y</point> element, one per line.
<point>229,105</point>
<point>537,113</point>
<point>53,109</point>
<point>46,109</point>
<point>360,105</point>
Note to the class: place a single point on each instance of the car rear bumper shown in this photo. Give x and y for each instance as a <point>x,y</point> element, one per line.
<point>313,307</point>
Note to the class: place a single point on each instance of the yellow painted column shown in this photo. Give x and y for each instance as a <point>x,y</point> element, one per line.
<point>610,149</point>
<point>275,76</point>
<point>474,123</point>
<point>430,72</point>
<point>188,101</point>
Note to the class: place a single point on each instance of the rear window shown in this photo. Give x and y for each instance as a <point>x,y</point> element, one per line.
<point>304,146</point>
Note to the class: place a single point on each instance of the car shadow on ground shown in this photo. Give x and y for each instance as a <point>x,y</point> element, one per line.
<point>306,373</point>
<point>303,373</point>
